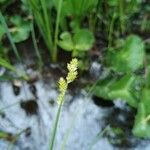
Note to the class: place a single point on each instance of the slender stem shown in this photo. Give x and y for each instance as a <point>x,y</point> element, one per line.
<point>35,45</point>
<point>55,127</point>
<point>111,30</point>
<point>47,25</point>
<point>121,14</point>
<point>2,19</point>
<point>57,31</point>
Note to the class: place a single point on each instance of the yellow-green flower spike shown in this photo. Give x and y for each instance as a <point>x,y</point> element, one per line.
<point>62,84</point>
<point>72,70</point>
<point>71,76</point>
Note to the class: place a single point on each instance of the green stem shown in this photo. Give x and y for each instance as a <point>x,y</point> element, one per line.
<point>121,14</point>
<point>111,30</point>
<point>47,25</point>
<point>54,55</point>
<point>35,46</point>
<point>55,127</point>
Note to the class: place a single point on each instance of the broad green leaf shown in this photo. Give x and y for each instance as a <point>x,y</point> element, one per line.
<point>20,30</point>
<point>123,89</point>
<point>142,120</point>
<point>66,42</point>
<point>130,58</point>
<point>118,89</point>
<point>83,40</point>
<point>103,88</point>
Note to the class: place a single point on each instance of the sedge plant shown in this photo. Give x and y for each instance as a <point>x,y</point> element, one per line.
<point>63,86</point>
<point>44,20</point>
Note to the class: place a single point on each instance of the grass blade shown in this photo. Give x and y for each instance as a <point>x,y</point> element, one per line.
<point>2,20</point>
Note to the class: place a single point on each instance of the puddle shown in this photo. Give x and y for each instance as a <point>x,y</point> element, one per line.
<point>33,111</point>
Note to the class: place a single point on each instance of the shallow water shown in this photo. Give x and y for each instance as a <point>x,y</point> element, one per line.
<point>80,118</point>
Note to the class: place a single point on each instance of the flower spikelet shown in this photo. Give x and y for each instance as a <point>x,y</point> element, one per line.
<point>72,70</point>
<point>62,84</point>
<point>71,76</point>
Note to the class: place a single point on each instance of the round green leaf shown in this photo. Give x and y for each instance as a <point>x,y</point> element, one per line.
<point>130,58</point>
<point>66,42</point>
<point>83,40</point>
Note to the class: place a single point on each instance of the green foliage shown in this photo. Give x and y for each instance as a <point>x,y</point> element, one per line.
<point>123,10</point>
<point>130,57</point>
<point>2,31</point>
<point>76,9</point>
<point>20,30</point>
<point>142,120</point>
<point>130,7</point>
<point>9,36</point>
<point>117,89</point>
<point>4,63</point>
<point>7,65</point>
<point>43,19</point>
<point>131,87</point>
<point>123,89</point>
<point>82,40</point>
